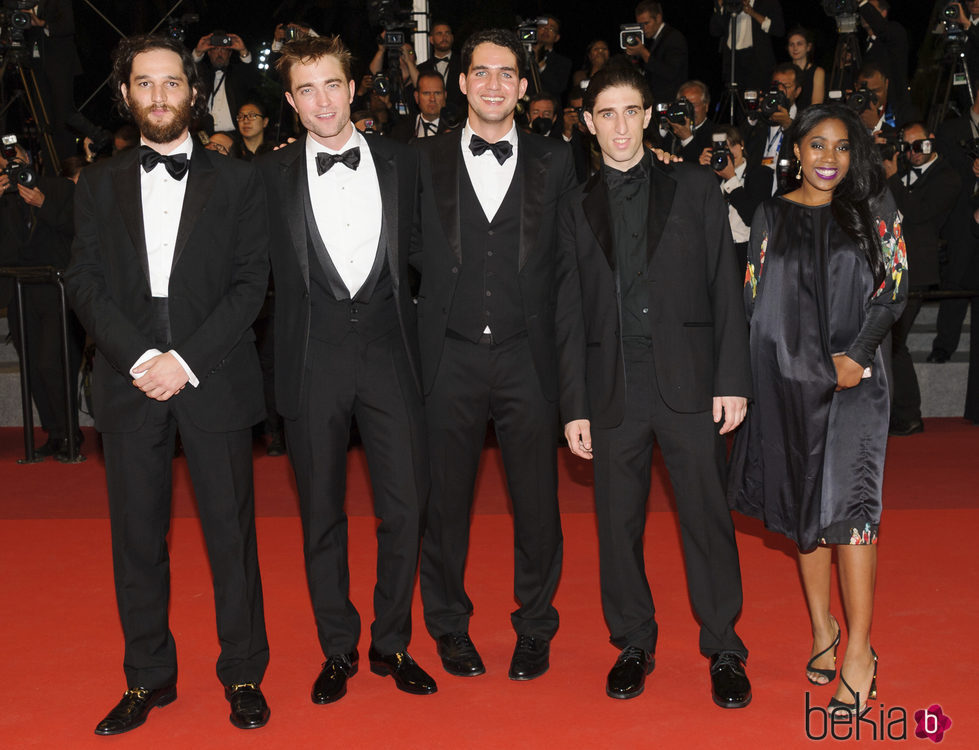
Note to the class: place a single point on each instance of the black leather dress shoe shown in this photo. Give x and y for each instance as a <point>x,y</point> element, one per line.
<point>899,429</point>
<point>248,707</point>
<point>530,658</point>
<point>131,711</point>
<point>331,685</point>
<point>408,676</point>
<point>728,681</point>
<point>627,678</point>
<point>938,356</point>
<point>459,655</point>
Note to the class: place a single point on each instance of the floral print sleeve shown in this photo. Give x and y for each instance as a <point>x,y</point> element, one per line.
<point>895,252</point>
<point>757,246</point>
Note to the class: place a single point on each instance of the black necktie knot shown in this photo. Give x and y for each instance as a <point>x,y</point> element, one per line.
<point>176,164</point>
<point>349,158</point>
<point>502,150</point>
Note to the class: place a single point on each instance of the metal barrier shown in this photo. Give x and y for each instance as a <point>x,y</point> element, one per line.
<point>44,275</point>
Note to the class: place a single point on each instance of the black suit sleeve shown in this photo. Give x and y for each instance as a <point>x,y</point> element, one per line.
<point>929,205</point>
<point>670,62</point>
<point>756,189</point>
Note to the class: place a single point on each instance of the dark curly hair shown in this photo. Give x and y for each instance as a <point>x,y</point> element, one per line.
<point>616,73</point>
<point>862,184</point>
<point>122,66</point>
<point>501,38</point>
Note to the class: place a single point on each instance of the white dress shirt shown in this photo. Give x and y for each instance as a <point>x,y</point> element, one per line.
<point>742,27</point>
<point>490,179</point>
<point>347,210</point>
<point>219,108</point>
<point>162,198</point>
<point>421,131</point>
<point>740,230</point>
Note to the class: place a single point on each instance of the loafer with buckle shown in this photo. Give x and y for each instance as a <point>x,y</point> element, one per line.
<point>408,676</point>
<point>248,707</point>
<point>459,656</point>
<point>627,678</point>
<point>729,683</point>
<point>331,685</point>
<point>132,710</point>
<point>530,657</point>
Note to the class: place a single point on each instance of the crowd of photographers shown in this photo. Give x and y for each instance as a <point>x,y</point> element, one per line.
<point>932,172</point>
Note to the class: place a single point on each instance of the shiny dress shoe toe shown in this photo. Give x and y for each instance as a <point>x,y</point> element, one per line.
<point>331,685</point>
<point>132,710</point>
<point>408,676</point>
<point>248,707</point>
<point>530,658</point>
<point>729,683</point>
<point>627,678</point>
<point>459,655</point>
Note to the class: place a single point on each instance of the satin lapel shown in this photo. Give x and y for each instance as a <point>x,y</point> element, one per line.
<point>534,167</point>
<point>387,180</point>
<point>200,186</point>
<point>597,212</point>
<point>661,190</point>
<point>292,183</point>
<point>445,179</point>
<point>125,184</point>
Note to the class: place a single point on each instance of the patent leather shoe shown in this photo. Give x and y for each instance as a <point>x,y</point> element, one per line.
<point>459,656</point>
<point>331,685</point>
<point>132,710</point>
<point>408,676</point>
<point>530,657</point>
<point>729,683</point>
<point>248,707</point>
<point>627,678</point>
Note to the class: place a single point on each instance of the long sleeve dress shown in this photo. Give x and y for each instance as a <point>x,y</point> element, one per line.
<point>809,460</point>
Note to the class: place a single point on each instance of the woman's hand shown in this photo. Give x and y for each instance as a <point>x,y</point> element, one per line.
<point>848,372</point>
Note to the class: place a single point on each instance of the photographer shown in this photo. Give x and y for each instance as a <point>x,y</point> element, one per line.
<point>689,136</point>
<point>744,186</point>
<point>925,187</point>
<point>887,45</point>
<point>555,68</point>
<point>779,110</point>
<point>445,62</point>
<point>575,132</point>
<point>663,54</point>
<point>967,17</point>
<point>37,231</point>
<point>748,28</point>
<point>880,110</point>
<point>432,118</point>
<point>231,78</point>
<point>395,87</point>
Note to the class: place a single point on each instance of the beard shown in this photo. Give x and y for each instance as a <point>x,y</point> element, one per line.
<point>161,132</point>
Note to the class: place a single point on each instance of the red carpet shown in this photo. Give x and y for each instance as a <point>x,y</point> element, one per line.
<point>63,646</point>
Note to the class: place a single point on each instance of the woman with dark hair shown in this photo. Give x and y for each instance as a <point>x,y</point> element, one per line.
<point>596,57</point>
<point>813,80</point>
<point>252,119</point>
<point>824,283</point>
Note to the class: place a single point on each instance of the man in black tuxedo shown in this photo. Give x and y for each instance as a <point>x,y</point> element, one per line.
<point>343,211</point>
<point>230,76</point>
<point>445,62</point>
<point>765,137</point>
<point>432,118</point>
<point>168,270</point>
<point>749,32</point>
<point>492,331</point>
<point>887,45</point>
<point>554,68</point>
<point>661,355</point>
<point>663,55</point>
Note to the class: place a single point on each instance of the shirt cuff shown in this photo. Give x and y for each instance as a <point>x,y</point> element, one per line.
<point>148,354</point>
<point>686,141</point>
<point>191,377</point>
<point>732,184</point>
<point>567,139</point>
<point>246,57</point>
<point>277,45</point>
<point>766,24</point>
<point>197,57</point>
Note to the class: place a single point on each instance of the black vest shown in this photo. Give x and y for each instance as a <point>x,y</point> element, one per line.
<point>488,290</point>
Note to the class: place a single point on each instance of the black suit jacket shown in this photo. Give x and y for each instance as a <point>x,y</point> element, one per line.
<point>950,136</point>
<point>554,79</point>
<point>284,174</point>
<point>889,49</point>
<point>547,173</point>
<point>666,68</point>
<point>241,80</point>
<point>217,286</point>
<point>404,129</point>
<point>700,335</point>
<point>692,151</point>
<point>755,64</point>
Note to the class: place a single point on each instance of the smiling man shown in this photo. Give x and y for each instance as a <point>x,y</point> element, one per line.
<point>169,269</point>
<point>342,209</point>
<point>659,355</point>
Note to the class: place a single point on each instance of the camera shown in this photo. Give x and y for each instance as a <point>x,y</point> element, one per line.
<point>971,148</point>
<point>951,11</point>
<point>177,27</point>
<point>19,174</point>
<point>784,174</point>
<point>541,125</point>
<point>661,118</point>
<point>861,100</point>
<point>630,35</point>
<point>922,146</point>
<point>892,144</point>
<point>381,84</point>
<point>719,152</point>
<point>773,100</point>
<point>839,7</point>
<point>751,104</point>
<point>527,29</point>
<point>733,6</point>
<point>679,112</point>
<point>394,38</point>
<point>220,40</point>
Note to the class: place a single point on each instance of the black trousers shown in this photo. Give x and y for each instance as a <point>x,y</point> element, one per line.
<point>369,380</point>
<point>906,396</point>
<point>138,467</point>
<point>476,382</point>
<point>695,457</point>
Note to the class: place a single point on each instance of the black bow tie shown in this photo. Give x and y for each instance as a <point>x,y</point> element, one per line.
<point>615,178</point>
<point>350,158</point>
<point>502,150</point>
<point>441,59</point>
<point>176,164</point>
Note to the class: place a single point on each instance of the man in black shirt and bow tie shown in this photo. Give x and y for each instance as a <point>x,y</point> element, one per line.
<point>492,326</point>
<point>343,212</point>
<point>169,268</point>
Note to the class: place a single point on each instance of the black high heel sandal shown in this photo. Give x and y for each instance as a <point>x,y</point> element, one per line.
<point>855,708</point>
<point>829,674</point>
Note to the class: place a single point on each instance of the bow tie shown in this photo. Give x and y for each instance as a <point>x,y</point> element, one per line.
<point>441,59</point>
<point>615,178</point>
<point>502,150</point>
<point>176,164</point>
<point>325,161</point>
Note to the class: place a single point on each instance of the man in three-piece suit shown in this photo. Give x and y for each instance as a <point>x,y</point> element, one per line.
<point>660,348</point>
<point>168,270</point>
<point>492,333</point>
<point>343,211</point>
<point>749,32</point>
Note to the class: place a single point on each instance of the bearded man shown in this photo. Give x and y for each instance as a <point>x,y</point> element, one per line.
<point>169,269</point>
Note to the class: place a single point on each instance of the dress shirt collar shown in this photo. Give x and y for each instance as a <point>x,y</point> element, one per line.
<point>468,133</point>
<point>314,147</point>
<point>186,147</point>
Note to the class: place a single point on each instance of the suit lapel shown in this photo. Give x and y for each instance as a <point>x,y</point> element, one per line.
<point>293,183</point>
<point>534,166</point>
<point>387,180</point>
<point>125,185</point>
<point>661,190</point>
<point>200,186</point>
<point>597,212</point>
<point>445,178</point>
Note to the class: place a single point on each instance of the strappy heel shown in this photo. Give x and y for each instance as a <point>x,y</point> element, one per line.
<point>855,708</point>
<point>829,674</point>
